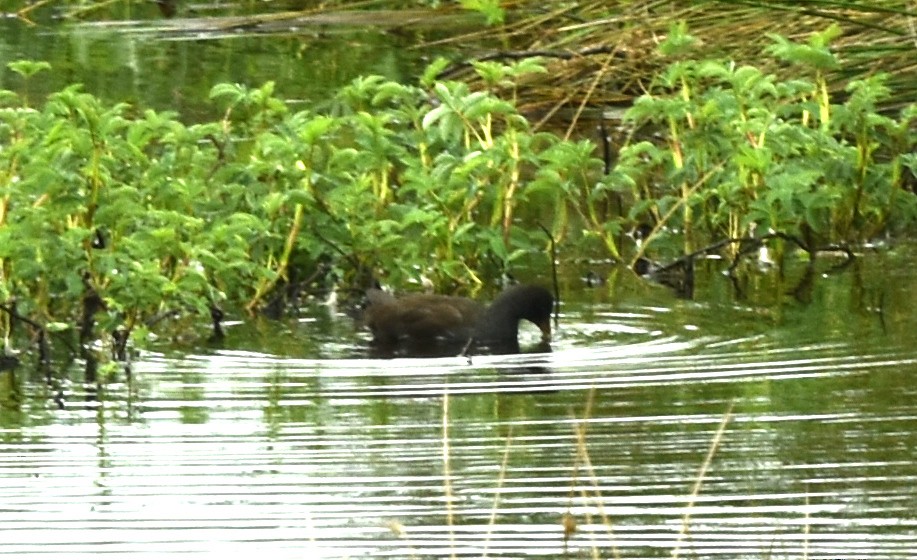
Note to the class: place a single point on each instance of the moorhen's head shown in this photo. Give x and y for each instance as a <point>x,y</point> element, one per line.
<point>501,319</point>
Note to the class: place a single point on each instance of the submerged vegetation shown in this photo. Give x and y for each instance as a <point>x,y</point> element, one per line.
<point>113,218</point>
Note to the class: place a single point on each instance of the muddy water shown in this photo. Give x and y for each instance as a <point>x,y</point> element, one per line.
<point>748,423</point>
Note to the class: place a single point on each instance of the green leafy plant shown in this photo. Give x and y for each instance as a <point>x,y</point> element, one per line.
<point>489,8</point>
<point>746,151</point>
<point>114,220</point>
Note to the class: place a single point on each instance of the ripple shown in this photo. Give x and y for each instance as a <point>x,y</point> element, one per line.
<point>241,451</point>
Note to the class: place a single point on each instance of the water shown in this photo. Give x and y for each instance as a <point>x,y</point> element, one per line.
<point>142,59</point>
<point>768,418</point>
<point>289,442</point>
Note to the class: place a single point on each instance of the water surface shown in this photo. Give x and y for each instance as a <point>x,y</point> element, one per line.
<point>767,418</point>
<point>289,442</point>
<point>139,57</point>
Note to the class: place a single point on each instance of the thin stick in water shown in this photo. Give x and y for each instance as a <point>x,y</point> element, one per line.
<point>491,521</point>
<point>553,274</point>
<point>695,492</point>
<point>447,474</point>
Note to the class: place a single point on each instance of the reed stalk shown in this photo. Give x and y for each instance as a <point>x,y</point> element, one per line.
<point>447,475</point>
<point>501,478</point>
<point>699,481</point>
<point>584,462</point>
<point>877,37</point>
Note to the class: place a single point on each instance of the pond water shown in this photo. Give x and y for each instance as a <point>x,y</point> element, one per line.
<point>774,417</point>
<point>141,58</point>
<point>766,422</point>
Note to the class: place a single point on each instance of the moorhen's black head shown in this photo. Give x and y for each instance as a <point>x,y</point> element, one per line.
<point>501,319</point>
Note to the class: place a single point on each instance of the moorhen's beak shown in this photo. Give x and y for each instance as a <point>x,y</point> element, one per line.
<point>545,326</point>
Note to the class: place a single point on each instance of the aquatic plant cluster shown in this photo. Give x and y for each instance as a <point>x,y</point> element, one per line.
<point>113,218</point>
<point>127,216</point>
<point>746,153</point>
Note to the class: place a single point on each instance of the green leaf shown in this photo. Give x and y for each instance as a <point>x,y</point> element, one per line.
<point>28,68</point>
<point>678,41</point>
<point>497,247</point>
<point>299,196</point>
<point>232,93</point>
<point>489,8</point>
<point>315,129</point>
<point>433,116</point>
<point>433,70</point>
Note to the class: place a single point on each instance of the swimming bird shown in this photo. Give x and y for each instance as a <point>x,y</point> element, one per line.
<point>419,319</point>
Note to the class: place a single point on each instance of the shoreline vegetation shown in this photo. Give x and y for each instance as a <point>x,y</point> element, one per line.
<point>118,220</point>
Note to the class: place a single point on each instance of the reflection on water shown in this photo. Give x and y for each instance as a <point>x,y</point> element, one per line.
<point>171,65</point>
<point>291,442</point>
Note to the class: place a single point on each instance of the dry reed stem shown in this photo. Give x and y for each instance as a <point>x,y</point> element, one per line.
<point>23,14</point>
<point>447,474</point>
<point>598,76</point>
<point>401,532</point>
<point>574,477</point>
<point>500,480</point>
<point>588,516</point>
<point>875,38</point>
<point>594,479</point>
<point>698,482</point>
<point>807,530</point>
<point>553,110</point>
<point>583,460</point>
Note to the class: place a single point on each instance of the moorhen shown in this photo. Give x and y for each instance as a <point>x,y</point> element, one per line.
<point>420,319</point>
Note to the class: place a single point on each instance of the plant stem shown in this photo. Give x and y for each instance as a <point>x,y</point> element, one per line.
<point>698,482</point>
<point>447,474</point>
